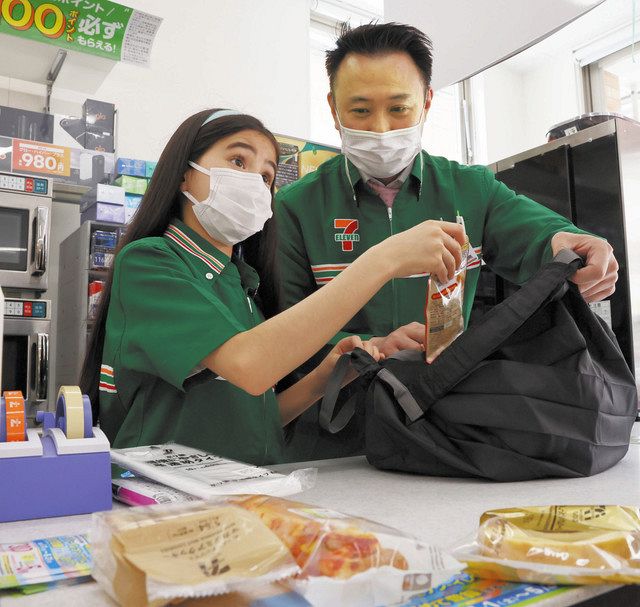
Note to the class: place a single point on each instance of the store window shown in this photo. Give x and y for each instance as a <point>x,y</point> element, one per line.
<point>614,83</point>
<point>442,133</point>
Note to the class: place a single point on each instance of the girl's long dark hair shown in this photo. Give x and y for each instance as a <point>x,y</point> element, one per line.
<point>163,202</point>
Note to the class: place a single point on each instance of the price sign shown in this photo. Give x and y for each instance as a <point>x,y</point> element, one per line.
<point>36,157</point>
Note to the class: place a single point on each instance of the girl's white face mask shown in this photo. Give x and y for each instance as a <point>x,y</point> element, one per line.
<point>238,205</point>
<point>382,154</point>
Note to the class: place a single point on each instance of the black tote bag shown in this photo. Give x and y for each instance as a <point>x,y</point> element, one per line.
<point>537,388</point>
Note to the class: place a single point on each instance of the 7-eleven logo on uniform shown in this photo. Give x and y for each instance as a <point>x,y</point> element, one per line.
<point>348,235</point>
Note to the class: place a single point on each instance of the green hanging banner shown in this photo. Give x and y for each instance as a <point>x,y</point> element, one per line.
<point>98,27</point>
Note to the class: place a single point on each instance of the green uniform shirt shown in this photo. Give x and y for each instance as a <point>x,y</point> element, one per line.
<point>330,217</point>
<point>174,300</point>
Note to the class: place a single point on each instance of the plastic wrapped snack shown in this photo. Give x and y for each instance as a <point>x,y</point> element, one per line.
<point>152,555</point>
<point>557,545</point>
<point>347,560</point>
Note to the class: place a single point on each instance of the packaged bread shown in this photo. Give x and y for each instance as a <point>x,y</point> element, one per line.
<point>557,544</point>
<point>151,555</point>
<point>346,560</point>
<point>322,547</point>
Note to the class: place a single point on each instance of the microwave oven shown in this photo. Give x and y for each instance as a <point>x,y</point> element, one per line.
<point>25,223</point>
<point>24,350</point>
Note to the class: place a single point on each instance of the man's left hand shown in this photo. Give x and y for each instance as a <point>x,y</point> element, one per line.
<point>597,279</point>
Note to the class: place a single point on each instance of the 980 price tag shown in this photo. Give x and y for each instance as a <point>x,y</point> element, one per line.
<point>35,157</point>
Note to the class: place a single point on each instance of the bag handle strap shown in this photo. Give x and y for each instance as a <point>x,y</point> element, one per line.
<point>363,363</point>
<point>328,405</point>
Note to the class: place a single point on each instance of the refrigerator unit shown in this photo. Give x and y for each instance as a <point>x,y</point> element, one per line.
<point>593,178</point>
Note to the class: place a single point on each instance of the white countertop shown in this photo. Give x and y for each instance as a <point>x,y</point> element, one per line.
<point>441,511</point>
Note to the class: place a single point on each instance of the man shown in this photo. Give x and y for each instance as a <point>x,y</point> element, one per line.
<point>384,183</point>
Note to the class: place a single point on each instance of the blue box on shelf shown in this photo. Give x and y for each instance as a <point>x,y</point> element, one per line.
<point>131,167</point>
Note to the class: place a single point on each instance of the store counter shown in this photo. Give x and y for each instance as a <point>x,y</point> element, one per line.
<point>441,511</point>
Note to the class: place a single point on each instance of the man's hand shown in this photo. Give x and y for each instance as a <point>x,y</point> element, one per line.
<point>408,337</point>
<point>597,279</point>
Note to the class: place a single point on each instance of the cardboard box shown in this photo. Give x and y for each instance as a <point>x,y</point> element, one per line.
<point>131,167</point>
<point>95,139</point>
<point>151,167</point>
<point>99,115</point>
<point>131,204</point>
<point>103,211</point>
<point>68,131</point>
<point>6,151</point>
<point>132,185</point>
<point>103,192</point>
<point>24,124</point>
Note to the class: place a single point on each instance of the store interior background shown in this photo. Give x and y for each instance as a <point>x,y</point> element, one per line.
<point>267,58</point>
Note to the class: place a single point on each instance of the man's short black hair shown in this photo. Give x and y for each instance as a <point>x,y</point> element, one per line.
<point>379,38</point>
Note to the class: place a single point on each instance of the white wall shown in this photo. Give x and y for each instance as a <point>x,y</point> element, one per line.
<point>322,128</point>
<point>498,120</point>
<point>551,96</point>
<point>518,107</point>
<point>253,56</point>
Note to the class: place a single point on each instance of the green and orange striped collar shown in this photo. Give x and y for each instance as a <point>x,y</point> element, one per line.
<point>185,238</point>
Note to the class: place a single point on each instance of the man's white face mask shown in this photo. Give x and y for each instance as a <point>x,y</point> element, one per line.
<point>237,207</point>
<point>382,154</point>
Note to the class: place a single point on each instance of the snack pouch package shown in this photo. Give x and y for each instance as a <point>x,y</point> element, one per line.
<point>347,560</point>
<point>444,319</point>
<point>153,555</point>
<point>557,545</point>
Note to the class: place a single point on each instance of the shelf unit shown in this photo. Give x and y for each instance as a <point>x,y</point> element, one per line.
<point>73,284</point>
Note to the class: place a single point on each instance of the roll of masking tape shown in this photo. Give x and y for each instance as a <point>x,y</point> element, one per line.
<point>13,417</point>
<point>70,412</point>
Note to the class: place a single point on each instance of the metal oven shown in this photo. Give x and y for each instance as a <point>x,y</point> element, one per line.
<point>25,350</point>
<point>25,215</point>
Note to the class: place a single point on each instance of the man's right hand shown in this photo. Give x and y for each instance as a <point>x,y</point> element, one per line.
<point>407,337</point>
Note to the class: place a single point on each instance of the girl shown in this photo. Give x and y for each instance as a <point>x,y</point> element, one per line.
<point>180,350</point>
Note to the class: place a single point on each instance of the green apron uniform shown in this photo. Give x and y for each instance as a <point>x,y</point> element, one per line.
<point>329,217</point>
<point>174,300</point>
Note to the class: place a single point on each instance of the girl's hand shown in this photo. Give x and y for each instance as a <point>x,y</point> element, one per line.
<point>345,346</point>
<point>431,246</point>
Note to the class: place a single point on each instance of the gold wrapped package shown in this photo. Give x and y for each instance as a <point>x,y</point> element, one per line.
<point>557,545</point>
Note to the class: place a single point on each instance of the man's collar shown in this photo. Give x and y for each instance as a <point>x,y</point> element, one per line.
<point>396,183</point>
<point>354,175</point>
